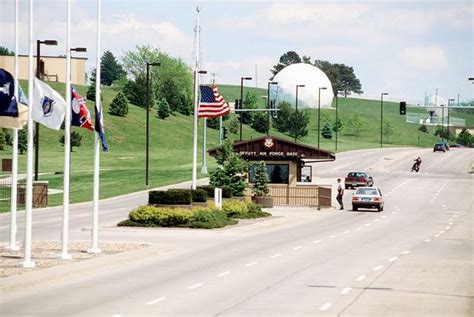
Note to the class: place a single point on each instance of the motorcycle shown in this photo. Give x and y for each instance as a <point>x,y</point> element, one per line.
<point>415,167</point>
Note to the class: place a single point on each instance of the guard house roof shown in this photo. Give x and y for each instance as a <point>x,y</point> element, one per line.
<point>277,149</point>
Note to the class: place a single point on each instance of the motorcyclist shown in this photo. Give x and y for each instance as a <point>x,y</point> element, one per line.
<point>416,165</point>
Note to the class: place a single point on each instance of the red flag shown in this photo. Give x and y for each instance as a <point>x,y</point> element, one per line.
<point>81,116</point>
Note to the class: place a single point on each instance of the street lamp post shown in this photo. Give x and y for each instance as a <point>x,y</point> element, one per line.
<point>449,104</point>
<point>319,110</point>
<point>295,123</point>
<point>268,104</point>
<point>147,152</point>
<point>337,116</point>
<point>241,100</point>
<point>442,122</point>
<point>381,117</point>
<point>38,74</point>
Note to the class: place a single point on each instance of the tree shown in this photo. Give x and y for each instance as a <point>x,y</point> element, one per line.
<point>338,125</point>
<point>5,51</point>
<point>423,128</point>
<point>250,102</point>
<point>281,122</point>
<point>441,132</point>
<point>230,170</point>
<point>90,95</point>
<point>388,130</point>
<point>260,122</point>
<point>119,105</point>
<point>2,140</point>
<point>22,140</point>
<point>326,131</point>
<point>290,57</point>
<point>76,139</point>
<point>172,80</point>
<point>110,69</point>
<point>260,186</point>
<point>342,77</point>
<point>298,122</point>
<point>356,124</point>
<point>163,111</point>
<point>465,138</point>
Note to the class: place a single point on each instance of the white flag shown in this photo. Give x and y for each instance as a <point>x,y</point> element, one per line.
<point>48,107</point>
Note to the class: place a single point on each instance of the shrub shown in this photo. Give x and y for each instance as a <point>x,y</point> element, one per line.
<point>209,190</point>
<point>260,187</point>
<point>142,214</point>
<point>235,208</point>
<point>170,197</point>
<point>208,218</point>
<point>255,211</point>
<point>163,217</point>
<point>199,195</point>
<point>326,131</point>
<point>226,192</point>
<point>423,128</point>
<point>163,111</point>
<point>119,105</point>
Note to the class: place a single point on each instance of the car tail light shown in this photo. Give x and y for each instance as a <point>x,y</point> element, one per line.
<point>376,198</point>
<point>355,198</point>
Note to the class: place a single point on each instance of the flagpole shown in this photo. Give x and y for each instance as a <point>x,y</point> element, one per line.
<point>196,86</point>
<point>67,142</point>
<point>220,130</point>
<point>29,158</point>
<point>14,187</point>
<point>95,203</point>
<point>204,162</point>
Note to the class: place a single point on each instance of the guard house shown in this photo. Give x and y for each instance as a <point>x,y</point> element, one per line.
<point>286,161</point>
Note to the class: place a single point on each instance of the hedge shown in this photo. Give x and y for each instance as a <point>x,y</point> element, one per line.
<point>170,197</point>
<point>226,191</point>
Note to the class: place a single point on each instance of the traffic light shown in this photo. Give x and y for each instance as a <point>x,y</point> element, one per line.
<point>403,108</point>
<point>224,133</point>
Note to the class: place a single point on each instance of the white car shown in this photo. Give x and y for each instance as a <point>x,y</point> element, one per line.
<point>367,197</point>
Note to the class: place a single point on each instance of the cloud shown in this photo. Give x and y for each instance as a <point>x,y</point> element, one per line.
<point>427,58</point>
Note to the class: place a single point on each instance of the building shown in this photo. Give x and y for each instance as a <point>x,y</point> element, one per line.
<point>286,161</point>
<point>53,68</point>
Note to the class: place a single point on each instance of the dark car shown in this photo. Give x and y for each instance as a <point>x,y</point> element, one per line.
<point>354,179</point>
<point>439,147</point>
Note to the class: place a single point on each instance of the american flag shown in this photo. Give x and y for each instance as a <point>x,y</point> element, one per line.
<point>212,104</point>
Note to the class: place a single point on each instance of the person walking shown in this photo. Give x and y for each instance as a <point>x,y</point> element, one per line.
<point>340,193</point>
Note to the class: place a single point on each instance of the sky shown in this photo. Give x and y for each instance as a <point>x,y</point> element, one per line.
<point>404,48</point>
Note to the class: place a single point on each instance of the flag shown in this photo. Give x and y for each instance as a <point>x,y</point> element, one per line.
<point>99,128</point>
<point>21,107</point>
<point>47,106</point>
<point>212,104</point>
<point>80,115</point>
<point>8,103</point>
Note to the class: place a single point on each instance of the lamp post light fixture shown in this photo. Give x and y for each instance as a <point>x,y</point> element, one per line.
<point>38,75</point>
<point>241,102</point>
<point>269,103</point>
<point>295,123</point>
<point>319,111</point>
<point>471,79</point>
<point>381,117</point>
<point>147,151</point>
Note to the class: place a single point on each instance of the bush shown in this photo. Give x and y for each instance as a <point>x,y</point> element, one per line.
<point>423,128</point>
<point>209,190</point>
<point>199,195</point>
<point>227,192</point>
<point>119,105</point>
<point>260,186</point>
<point>142,214</point>
<point>163,217</point>
<point>170,197</point>
<point>235,208</point>
<point>207,218</point>
<point>163,111</point>
<point>255,211</point>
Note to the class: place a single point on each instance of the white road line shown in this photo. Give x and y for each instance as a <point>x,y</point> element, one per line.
<point>326,306</point>
<point>441,232</point>
<point>367,224</point>
<point>447,228</point>
<point>383,217</point>
<point>450,223</point>
<point>223,274</point>
<point>195,286</point>
<point>378,268</point>
<point>394,212</point>
<point>159,299</point>
<point>375,220</point>
<point>360,278</point>
<point>392,259</point>
<point>250,264</point>
<point>406,252</point>
<point>276,255</point>
<point>346,290</point>
<point>455,216</point>
<point>316,241</point>
<point>450,219</point>
<point>298,247</point>
<point>347,231</point>
<point>360,228</point>
<point>427,240</point>
<point>333,236</point>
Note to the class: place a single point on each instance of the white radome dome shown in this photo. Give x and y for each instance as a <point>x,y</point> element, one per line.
<point>302,74</point>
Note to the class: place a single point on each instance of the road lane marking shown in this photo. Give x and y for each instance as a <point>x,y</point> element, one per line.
<point>276,255</point>
<point>250,264</point>
<point>375,220</point>
<point>450,223</point>
<point>427,240</point>
<point>326,306</point>
<point>392,259</point>
<point>455,216</point>
<point>298,247</point>
<point>195,286</point>
<point>406,252</point>
<point>347,231</point>
<point>394,212</point>
<point>346,290</point>
<point>383,217</point>
<point>441,232</point>
<point>223,274</point>
<point>436,235</point>
<point>367,224</point>
<point>360,228</point>
<point>159,299</point>
<point>316,241</point>
<point>333,236</point>
<point>450,219</point>
<point>447,228</point>
<point>360,278</point>
<point>378,268</point>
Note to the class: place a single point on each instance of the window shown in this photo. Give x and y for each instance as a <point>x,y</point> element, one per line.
<point>277,173</point>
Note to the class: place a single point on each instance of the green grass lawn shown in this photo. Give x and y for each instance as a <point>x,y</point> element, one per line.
<point>123,167</point>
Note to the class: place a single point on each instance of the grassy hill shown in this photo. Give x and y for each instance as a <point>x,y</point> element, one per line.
<point>123,168</point>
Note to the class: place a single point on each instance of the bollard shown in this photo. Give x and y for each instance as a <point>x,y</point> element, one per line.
<point>218,198</point>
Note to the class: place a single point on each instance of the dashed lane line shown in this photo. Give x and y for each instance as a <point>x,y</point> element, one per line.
<point>427,240</point>
<point>223,274</point>
<point>392,259</point>
<point>276,255</point>
<point>378,268</point>
<point>250,264</point>
<point>347,231</point>
<point>298,247</point>
<point>346,290</point>
<point>360,278</point>
<point>195,286</point>
<point>316,241</point>
<point>325,306</point>
<point>153,302</point>
<point>406,252</point>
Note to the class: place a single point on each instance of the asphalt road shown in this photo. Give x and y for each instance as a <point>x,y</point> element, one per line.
<point>413,259</point>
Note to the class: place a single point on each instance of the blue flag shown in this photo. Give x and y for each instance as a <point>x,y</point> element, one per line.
<point>99,128</point>
<point>8,102</point>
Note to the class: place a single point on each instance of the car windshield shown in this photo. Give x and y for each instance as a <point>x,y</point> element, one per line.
<point>367,191</point>
<point>356,174</point>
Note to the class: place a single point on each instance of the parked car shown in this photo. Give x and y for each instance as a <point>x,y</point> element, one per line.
<point>367,197</point>
<point>439,147</point>
<point>354,179</point>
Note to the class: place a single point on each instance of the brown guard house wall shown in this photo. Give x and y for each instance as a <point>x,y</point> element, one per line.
<point>274,150</point>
